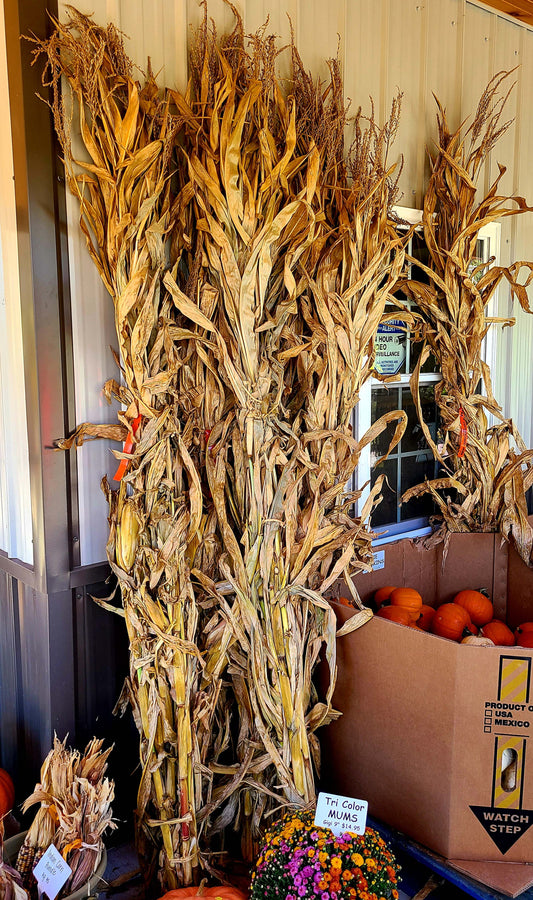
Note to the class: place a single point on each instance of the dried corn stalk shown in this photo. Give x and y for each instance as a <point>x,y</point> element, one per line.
<point>487,468</point>
<point>248,274</point>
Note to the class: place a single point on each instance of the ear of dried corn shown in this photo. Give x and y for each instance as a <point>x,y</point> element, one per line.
<point>487,467</point>
<point>10,879</point>
<point>74,814</point>
<point>249,259</point>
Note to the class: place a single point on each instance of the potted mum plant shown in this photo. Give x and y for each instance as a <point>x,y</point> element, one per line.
<point>301,860</point>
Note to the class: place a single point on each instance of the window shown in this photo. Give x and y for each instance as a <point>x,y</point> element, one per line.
<point>412,460</point>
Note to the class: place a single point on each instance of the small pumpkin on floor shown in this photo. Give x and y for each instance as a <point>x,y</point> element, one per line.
<point>218,892</point>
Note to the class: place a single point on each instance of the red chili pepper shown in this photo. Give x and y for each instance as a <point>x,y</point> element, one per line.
<point>128,447</point>
<point>464,433</point>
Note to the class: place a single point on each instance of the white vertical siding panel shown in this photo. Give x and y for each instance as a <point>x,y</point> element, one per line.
<point>365,66</point>
<point>477,60</point>
<point>505,38</point>
<point>93,333</point>
<point>477,68</point>
<point>406,72</point>
<point>445,30</point>
<point>320,33</point>
<point>280,15</point>
<point>15,498</point>
<point>218,11</point>
<point>521,369</point>
<point>175,38</point>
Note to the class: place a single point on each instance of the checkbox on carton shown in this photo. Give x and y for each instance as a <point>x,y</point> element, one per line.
<point>487,721</point>
<point>487,728</point>
<point>488,713</point>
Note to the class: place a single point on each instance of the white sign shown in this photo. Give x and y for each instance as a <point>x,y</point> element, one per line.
<point>341,814</point>
<point>389,348</point>
<point>51,872</point>
<point>379,560</point>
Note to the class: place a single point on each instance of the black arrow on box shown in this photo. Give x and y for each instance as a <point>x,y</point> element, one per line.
<point>504,826</point>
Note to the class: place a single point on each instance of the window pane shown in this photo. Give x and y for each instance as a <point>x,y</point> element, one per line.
<point>387,511</point>
<point>430,364</point>
<point>414,471</point>
<point>383,401</point>
<point>413,438</point>
<point>420,252</point>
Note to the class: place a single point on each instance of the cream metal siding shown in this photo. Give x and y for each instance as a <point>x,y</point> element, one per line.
<point>449,47</point>
<point>15,500</point>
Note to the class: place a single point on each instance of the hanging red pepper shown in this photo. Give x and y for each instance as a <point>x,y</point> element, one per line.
<point>464,433</point>
<point>128,447</point>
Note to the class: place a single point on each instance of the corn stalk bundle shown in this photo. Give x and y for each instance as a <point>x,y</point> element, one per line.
<point>249,266</point>
<point>75,812</point>
<point>295,305</point>
<point>487,468</point>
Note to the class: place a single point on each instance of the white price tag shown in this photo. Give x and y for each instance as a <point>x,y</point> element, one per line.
<point>341,814</point>
<point>51,872</point>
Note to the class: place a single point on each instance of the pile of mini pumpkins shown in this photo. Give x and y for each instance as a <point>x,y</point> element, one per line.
<point>469,619</point>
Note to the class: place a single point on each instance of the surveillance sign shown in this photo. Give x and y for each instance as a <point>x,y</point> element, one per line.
<point>390,345</point>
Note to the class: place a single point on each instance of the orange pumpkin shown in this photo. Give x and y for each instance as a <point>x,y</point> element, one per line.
<point>426,617</point>
<point>407,598</point>
<point>395,614</point>
<point>451,621</point>
<point>219,892</point>
<point>345,601</point>
<point>7,792</point>
<point>383,594</point>
<point>477,605</point>
<point>524,626</point>
<point>498,632</point>
<point>523,638</point>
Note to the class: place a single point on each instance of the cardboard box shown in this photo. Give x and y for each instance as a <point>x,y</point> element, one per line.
<point>438,736</point>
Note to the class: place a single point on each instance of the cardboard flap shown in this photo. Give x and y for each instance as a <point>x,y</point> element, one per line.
<point>508,878</point>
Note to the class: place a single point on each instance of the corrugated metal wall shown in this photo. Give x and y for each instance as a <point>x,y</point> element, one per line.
<point>449,47</point>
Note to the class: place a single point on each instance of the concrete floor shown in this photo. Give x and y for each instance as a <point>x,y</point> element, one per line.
<point>122,876</point>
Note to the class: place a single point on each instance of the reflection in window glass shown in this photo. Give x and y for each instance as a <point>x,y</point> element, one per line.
<point>413,438</point>
<point>415,469</point>
<point>387,510</point>
<point>383,402</point>
<point>411,461</point>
